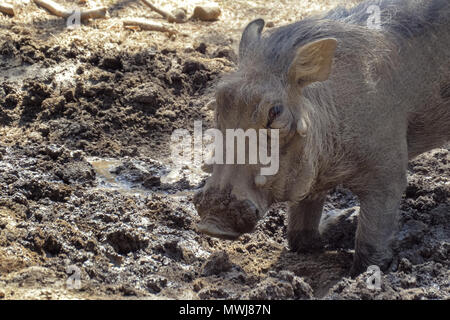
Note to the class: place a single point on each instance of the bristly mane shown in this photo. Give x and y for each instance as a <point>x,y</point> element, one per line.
<point>400,19</point>
<point>406,18</point>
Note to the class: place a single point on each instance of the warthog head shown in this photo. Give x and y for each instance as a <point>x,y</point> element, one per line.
<point>264,93</point>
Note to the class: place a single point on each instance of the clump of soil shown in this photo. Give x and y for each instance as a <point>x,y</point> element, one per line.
<point>285,285</point>
<point>218,262</point>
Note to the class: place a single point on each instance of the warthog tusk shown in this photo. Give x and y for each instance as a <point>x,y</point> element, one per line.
<point>212,230</point>
<point>302,128</point>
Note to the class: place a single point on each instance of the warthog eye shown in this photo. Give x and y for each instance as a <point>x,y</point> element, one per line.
<point>274,112</point>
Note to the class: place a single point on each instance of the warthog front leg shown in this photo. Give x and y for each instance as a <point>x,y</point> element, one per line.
<point>377,223</point>
<point>303,225</point>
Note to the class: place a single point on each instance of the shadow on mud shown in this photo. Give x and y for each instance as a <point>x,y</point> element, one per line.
<point>321,270</point>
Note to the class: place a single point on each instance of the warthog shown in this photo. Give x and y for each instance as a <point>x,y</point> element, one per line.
<point>352,104</point>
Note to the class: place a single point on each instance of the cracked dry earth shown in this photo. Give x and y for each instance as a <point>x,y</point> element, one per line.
<point>86,182</point>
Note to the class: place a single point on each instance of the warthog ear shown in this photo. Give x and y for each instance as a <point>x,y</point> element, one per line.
<point>312,62</point>
<point>251,34</point>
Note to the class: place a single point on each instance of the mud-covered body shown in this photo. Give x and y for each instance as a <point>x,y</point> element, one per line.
<point>385,100</point>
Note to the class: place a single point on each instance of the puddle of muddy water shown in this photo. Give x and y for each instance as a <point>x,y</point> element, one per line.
<point>111,176</point>
<point>103,169</point>
<point>63,73</point>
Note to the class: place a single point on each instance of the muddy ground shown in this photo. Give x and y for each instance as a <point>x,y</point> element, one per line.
<point>87,185</point>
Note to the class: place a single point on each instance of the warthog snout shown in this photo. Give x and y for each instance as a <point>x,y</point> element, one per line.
<point>224,216</point>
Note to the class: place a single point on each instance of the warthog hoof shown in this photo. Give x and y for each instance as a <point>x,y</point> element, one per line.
<point>305,241</point>
<point>366,256</point>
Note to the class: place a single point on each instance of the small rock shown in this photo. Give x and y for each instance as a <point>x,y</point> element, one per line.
<point>409,282</point>
<point>270,289</point>
<point>80,70</point>
<point>189,48</point>
<point>167,114</point>
<point>213,293</point>
<point>191,66</point>
<point>20,198</point>
<point>270,24</point>
<point>44,129</point>
<point>77,154</point>
<point>11,101</point>
<point>156,283</point>
<point>198,285</point>
<point>218,262</point>
<point>53,151</point>
<point>301,289</point>
<point>52,245</point>
<point>123,241</point>
<point>227,53</point>
<point>405,265</point>
<point>179,14</point>
<point>112,63</point>
<point>283,275</point>
<point>151,181</point>
<point>207,13</point>
<point>129,291</point>
<point>201,47</point>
